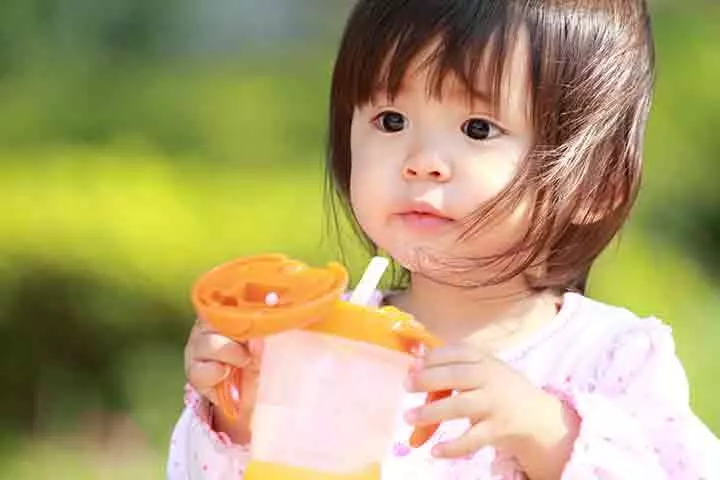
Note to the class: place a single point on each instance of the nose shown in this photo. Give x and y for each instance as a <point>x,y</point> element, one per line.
<point>426,165</point>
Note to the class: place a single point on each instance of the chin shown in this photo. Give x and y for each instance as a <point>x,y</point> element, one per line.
<point>413,258</point>
<point>406,262</point>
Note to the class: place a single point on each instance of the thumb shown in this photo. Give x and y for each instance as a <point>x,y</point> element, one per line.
<point>203,375</point>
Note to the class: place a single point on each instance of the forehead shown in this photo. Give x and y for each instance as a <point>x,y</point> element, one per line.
<point>499,81</point>
<point>385,42</point>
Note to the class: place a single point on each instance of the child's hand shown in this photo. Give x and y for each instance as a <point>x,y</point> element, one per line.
<point>505,410</point>
<point>211,357</point>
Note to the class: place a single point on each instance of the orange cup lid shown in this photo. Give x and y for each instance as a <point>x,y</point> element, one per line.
<point>261,295</point>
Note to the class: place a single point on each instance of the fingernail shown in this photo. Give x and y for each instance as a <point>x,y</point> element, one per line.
<point>228,371</point>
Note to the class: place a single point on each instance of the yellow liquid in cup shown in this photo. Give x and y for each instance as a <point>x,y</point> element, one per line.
<point>271,471</point>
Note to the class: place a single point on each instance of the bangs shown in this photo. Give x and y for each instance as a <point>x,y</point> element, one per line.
<point>466,40</point>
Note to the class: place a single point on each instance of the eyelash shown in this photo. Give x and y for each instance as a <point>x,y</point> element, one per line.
<point>378,122</point>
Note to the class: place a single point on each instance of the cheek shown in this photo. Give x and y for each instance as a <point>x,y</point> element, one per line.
<point>505,165</point>
<point>365,196</point>
<point>490,175</point>
<point>360,155</point>
<point>489,172</point>
<point>358,177</point>
<point>501,234</point>
<point>372,172</point>
<point>357,197</point>
<point>516,224</point>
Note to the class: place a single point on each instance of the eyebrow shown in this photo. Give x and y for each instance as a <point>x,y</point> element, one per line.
<point>456,92</point>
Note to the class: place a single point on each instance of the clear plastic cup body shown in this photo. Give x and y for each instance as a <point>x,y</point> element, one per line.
<point>325,402</point>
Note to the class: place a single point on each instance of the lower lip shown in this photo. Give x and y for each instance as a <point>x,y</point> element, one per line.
<point>424,221</point>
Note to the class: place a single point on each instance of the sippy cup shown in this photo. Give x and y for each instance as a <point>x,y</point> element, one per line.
<point>331,373</point>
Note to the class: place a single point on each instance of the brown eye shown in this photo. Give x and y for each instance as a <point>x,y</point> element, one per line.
<point>391,122</point>
<point>480,129</point>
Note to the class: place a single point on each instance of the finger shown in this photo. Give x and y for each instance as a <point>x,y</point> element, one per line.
<point>213,346</point>
<point>475,438</point>
<point>203,326</point>
<point>459,376</point>
<point>195,332</point>
<point>199,329</point>
<point>457,353</point>
<point>471,405</point>
<point>205,375</point>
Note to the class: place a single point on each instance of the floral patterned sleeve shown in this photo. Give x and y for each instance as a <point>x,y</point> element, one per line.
<point>197,452</point>
<point>636,419</point>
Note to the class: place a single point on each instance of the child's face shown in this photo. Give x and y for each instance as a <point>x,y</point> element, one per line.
<point>420,165</point>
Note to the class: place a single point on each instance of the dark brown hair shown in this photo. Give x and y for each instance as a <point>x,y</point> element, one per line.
<point>591,68</point>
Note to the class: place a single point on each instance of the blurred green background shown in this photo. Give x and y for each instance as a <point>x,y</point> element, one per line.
<point>144,141</point>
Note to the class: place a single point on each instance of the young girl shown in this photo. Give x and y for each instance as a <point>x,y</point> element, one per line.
<point>492,148</point>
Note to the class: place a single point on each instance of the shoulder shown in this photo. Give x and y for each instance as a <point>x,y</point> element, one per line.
<point>600,320</point>
<point>587,334</point>
<point>617,338</point>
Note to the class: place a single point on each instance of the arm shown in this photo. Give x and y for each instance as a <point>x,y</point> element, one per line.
<point>197,451</point>
<point>635,418</point>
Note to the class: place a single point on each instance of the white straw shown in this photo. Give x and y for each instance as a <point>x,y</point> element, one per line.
<point>367,285</point>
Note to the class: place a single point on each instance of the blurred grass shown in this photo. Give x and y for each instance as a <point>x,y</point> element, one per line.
<point>140,214</point>
<point>59,458</point>
<point>122,182</point>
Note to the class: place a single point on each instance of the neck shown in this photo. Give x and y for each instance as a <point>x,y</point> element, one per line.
<point>492,316</point>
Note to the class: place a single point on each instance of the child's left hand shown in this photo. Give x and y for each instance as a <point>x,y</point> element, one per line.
<point>505,410</point>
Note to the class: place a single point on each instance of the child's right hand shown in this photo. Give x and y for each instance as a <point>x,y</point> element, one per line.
<point>210,358</point>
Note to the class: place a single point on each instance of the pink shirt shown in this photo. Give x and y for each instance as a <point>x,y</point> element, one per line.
<point>620,372</point>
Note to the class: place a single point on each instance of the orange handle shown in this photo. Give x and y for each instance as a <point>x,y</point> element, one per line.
<point>228,394</point>
<point>415,336</point>
<point>422,434</point>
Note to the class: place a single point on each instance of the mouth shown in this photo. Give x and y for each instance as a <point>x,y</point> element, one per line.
<point>424,216</point>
